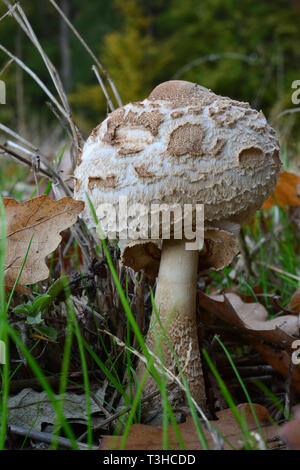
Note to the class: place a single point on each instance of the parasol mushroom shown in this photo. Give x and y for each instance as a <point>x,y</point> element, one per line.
<point>182,145</point>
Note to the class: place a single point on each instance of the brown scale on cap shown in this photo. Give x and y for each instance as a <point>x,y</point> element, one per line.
<point>225,116</point>
<point>98,182</point>
<point>194,110</point>
<point>142,172</point>
<point>186,139</point>
<point>148,119</point>
<point>218,146</point>
<point>127,150</point>
<point>177,114</point>
<point>178,92</point>
<point>251,157</point>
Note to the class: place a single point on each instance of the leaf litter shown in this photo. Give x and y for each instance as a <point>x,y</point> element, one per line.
<point>143,437</point>
<point>39,221</point>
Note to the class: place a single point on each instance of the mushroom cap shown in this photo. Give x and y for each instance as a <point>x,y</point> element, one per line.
<point>183,144</point>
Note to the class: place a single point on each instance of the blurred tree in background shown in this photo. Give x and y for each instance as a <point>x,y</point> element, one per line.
<point>248,50</point>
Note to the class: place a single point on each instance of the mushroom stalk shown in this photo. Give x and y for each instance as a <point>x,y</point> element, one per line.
<point>175,300</point>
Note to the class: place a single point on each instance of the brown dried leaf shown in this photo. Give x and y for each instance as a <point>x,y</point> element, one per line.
<point>252,318</point>
<point>285,192</point>
<point>294,304</point>
<point>143,437</point>
<point>43,219</point>
<point>290,432</point>
<point>279,360</point>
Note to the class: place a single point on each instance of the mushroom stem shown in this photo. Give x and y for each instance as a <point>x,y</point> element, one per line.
<point>175,300</point>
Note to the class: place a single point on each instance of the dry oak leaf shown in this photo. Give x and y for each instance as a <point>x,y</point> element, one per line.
<point>23,408</point>
<point>294,304</point>
<point>285,192</point>
<point>42,219</point>
<point>280,360</point>
<point>145,437</point>
<point>252,318</point>
<point>290,433</point>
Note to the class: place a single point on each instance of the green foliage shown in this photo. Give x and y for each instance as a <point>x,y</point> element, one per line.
<point>247,50</point>
<point>34,310</point>
<point>59,286</point>
<point>133,56</point>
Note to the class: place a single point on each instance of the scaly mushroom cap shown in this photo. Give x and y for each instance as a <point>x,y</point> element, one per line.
<point>183,144</point>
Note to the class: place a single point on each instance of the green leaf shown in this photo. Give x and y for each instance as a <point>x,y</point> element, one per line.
<point>40,303</point>
<point>34,319</point>
<point>47,331</point>
<point>22,309</point>
<point>57,287</point>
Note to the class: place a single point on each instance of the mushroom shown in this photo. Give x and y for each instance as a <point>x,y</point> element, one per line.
<point>182,145</point>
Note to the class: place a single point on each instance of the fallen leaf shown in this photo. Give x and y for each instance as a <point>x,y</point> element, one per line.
<point>290,433</point>
<point>33,409</point>
<point>285,192</point>
<point>251,296</point>
<point>279,360</point>
<point>145,437</point>
<point>42,218</point>
<point>252,318</point>
<point>294,304</point>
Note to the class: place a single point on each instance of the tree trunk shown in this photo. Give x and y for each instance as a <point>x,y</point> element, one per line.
<point>66,66</point>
